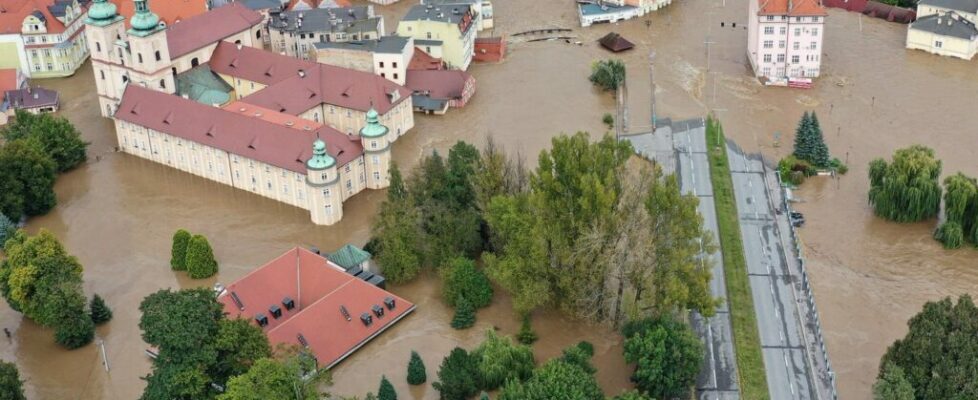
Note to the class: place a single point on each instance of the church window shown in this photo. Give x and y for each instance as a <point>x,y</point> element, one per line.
<point>194,62</point>
<point>376,160</point>
<point>162,83</point>
<point>102,73</point>
<point>98,47</point>
<point>158,58</point>
<point>376,176</point>
<point>140,57</point>
<point>329,209</point>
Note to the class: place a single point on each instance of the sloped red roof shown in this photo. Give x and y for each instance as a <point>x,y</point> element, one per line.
<point>792,8</point>
<point>423,60</point>
<point>169,11</point>
<point>319,288</point>
<point>438,84</point>
<point>13,12</point>
<point>244,135</point>
<point>294,92</point>
<point>198,31</point>
<point>8,80</point>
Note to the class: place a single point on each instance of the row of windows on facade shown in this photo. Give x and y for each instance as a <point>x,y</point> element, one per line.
<point>254,180</point>
<point>47,53</point>
<point>797,19</point>
<point>327,38</point>
<point>769,44</point>
<point>812,72</point>
<point>795,59</point>
<point>769,30</point>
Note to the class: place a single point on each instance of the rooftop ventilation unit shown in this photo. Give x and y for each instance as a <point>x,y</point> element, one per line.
<point>237,301</point>
<point>346,314</point>
<point>275,311</point>
<point>302,340</point>
<point>366,319</point>
<point>288,303</point>
<point>378,310</point>
<point>261,319</point>
<point>389,302</point>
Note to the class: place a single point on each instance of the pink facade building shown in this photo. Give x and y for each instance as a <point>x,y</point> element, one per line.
<point>785,38</point>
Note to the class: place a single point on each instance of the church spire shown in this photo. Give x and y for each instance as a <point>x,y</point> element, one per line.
<point>144,21</point>
<point>102,12</point>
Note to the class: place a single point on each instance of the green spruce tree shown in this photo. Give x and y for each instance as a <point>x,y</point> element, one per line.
<point>200,258</point>
<point>820,151</point>
<point>464,314</point>
<point>803,138</point>
<point>101,313</point>
<point>386,391</point>
<point>178,252</point>
<point>416,373</point>
<point>526,334</point>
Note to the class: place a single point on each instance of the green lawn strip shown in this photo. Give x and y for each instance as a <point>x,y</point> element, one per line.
<point>747,343</point>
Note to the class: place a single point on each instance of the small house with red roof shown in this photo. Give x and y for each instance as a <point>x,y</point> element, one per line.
<point>303,299</point>
<point>42,38</point>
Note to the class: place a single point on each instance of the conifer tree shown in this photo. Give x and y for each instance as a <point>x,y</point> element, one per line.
<point>464,314</point>
<point>803,143</point>
<point>820,151</point>
<point>386,391</point>
<point>200,258</point>
<point>101,313</point>
<point>178,252</point>
<point>526,335</point>
<point>416,373</point>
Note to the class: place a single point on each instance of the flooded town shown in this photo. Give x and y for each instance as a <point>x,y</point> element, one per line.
<point>117,212</point>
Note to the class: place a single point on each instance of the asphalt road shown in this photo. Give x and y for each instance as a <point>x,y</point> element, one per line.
<point>789,371</point>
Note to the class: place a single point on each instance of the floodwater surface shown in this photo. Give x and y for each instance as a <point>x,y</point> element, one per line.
<point>117,213</point>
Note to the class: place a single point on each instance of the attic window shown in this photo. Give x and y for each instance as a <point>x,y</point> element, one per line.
<point>261,319</point>
<point>275,311</point>
<point>346,314</point>
<point>389,302</point>
<point>378,310</point>
<point>366,319</point>
<point>288,303</point>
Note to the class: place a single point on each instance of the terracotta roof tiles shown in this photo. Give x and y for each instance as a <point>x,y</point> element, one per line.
<point>791,8</point>
<point>169,11</point>
<point>210,27</point>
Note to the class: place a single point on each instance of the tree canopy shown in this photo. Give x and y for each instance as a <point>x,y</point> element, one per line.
<point>386,390</point>
<point>892,385</point>
<point>55,135</point>
<point>11,387</point>
<point>457,376</point>
<point>667,355</point>
<point>906,189</point>
<point>416,373</point>
<point>7,228</point>
<point>960,212</point>
<point>200,258</point>
<point>178,251</point>
<point>938,355</point>
<point>279,378</point>
<point>100,312</point>
<point>608,74</point>
<point>557,379</point>
<point>463,279</point>
<point>26,179</point>
<point>498,360</point>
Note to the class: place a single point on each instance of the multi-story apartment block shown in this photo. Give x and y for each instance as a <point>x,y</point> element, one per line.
<point>298,132</point>
<point>42,38</point>
<point>945,27</point>
<point>294,33</point>
<point>785,38</point>
<point>449,27</point>
<point>481,8</point>
<point>388,56</point>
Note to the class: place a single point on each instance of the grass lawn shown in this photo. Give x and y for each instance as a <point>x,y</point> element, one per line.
<point>747,342</point>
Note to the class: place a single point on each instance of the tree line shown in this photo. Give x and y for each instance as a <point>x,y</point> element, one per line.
<point>35,148</point>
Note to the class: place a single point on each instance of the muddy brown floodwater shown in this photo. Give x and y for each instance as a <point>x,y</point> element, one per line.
<point>117,213</point>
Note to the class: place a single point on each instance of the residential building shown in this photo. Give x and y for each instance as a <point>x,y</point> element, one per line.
<point>302,299</point>
<point>299,5</point>
<point>785,39</point>
<point>945,27</point>
<point>35,100</point>
<point>482,9</point>
<point>10,79</point>
<point>387,57</point>
<point>451,24</point>
<point>42,38</point>
<point>266,8</point>
<point>152,54</point>
<point>294,33</point>
<point>434,91</point>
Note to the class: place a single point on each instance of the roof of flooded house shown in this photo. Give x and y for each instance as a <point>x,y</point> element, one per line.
<point>9,79</point>
<point>348,19</point>
<point>169,11</point>
<point>590,9</point>
<point>196,32</point>
<point>319,289</point>
<point>438,84</point>
<point>246,136</point>
<point>384,45</point>
<point>423,60</point>
<point>31,97</point>
<point>301,85</point>
<point>969,6</point>
<point>950,24</point>
<point>792,8</point>
<point>615,42</point>
<point>458,14</point>
<point>13,12</point>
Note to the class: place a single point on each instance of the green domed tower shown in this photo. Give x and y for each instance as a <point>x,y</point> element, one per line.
<point>144,22</point>
<point>325,202</point>
<point>376,150</point>
<point>102,13</point>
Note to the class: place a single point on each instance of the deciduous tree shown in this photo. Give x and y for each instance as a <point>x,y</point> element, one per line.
<point>75,330</point>
<point>238,343</point>
<point>457,376</point>
<point>667,357</point>
<point>26,179</point>
<point>397,232</point>
<point>608,74</point>
<point>892,385</point>
<point>960,211</point>
<point>11,387</point>
<point>554,380</point>
<point>56,136</point>
<point>906,189</point>
<point>499,359</point>
<point>461,278</point>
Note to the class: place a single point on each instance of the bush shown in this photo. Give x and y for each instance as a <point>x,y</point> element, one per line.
<point>609,120</point>
<point>200,258</point>
<point>580,355</point>
<point>500,360</point>
<point>526,334</point>
<point>950,235</point>
<point>11,387</point>
<point>178,252</point>
<point>464,316</point>
<point>386,391</point>
<point>99,310</point>
<point>74,331</point>
<point>463,279</point>
<point>416,373</point>
<point>457,376</point>
<point>794,171</point>
<point>838,166</point>
<point>608,74</point>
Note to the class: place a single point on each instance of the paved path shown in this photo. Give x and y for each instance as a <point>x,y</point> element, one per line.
<point>680,147</point>
<point>793,364</point>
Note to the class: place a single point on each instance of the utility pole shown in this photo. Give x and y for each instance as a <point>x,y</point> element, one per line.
<point>652,86</point>
<point>708,42</point>
<point>714,88</point>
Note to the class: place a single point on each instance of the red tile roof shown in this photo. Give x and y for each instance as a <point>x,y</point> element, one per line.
<point>13,12</point>
<point>319,288</point>
<point>423,60</point>
<point>8,79</point>
<point>169,11</point>
<point>275,117</point>
<point>294,93</point>
<point>443,84</point>
<point>245,136</point>
<point>792,8</point>
<point>195,32</point>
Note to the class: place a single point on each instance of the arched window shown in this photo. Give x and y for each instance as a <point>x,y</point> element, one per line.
<point>103,74</point>
<point>174,71</point>
<point>98,47</point>
<point>315,116</point>
<point>162,83</point>
<point>194,62</point>
<point>237,41</point>
<point>140,57</point>
<point>158,58</point>
<point>258,34</point>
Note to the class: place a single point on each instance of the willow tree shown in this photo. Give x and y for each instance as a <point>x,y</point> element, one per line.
<point>608,74</point>
<point>960,211</point>
<point>907,188</point>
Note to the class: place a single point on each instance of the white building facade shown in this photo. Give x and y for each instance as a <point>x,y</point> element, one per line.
<point>785,39</point>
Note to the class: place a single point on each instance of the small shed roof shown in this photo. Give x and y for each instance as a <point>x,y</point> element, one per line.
<point>615,42</point>
<point>348,256</point>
